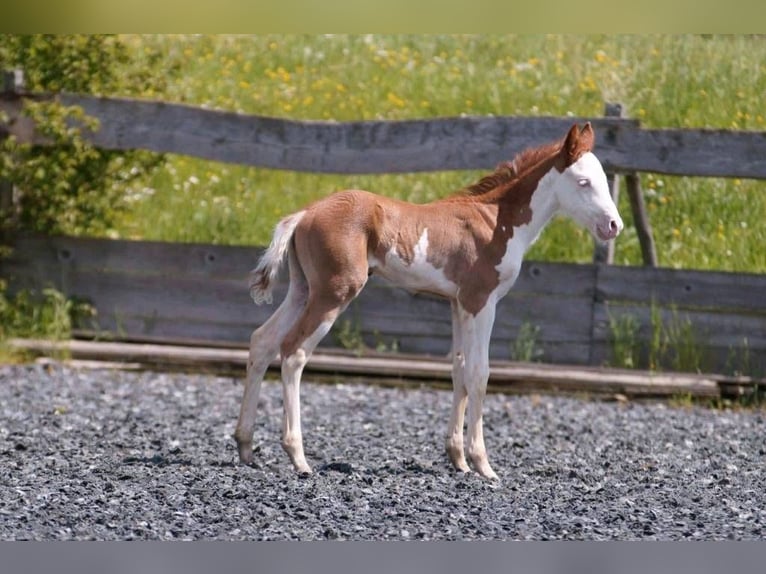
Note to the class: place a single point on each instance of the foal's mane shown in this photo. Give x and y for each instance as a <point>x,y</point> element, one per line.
<point>507,172</point>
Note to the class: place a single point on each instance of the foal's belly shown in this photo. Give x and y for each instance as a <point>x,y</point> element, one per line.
<point>418,276</point>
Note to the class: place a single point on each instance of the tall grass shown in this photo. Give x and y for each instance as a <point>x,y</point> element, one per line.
<point>665,81</point>
<point>673,343</point>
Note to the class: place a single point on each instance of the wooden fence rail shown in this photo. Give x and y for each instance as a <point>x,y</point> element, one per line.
<point>393,146</point>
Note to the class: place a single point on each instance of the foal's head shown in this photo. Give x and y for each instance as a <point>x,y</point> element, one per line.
<point>581,189</point>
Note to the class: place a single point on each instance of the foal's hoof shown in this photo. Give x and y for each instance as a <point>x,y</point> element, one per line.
<point>245,453</point>
<point>246,459</point>
<point>489,474</point>
<point>304,470</point>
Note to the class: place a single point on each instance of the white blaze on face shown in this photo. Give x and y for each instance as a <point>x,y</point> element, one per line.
<point>584,196</point>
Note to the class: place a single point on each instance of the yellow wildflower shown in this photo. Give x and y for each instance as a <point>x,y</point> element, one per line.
<point>395,100</point>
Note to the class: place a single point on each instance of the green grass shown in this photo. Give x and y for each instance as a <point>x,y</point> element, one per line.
<point>665,81</point>
<point>525,346</point>
<point>623,331</point>
<point>43,314</point>
<point>673,343</point>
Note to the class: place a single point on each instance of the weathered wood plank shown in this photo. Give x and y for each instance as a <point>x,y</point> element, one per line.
<point>189,309</point>
<point>314,146</point>
<point>396,311</point>
<point>712,329</point>
<point>38,254</point>
<point>161,298</point>
<point>197,309</point>
<point>400,146</point>
<point>134,257</point>
<point>715,290</point>
<point>503,375</point>
<point>693,152</point>
<point>557,279</point>
<point>725,330</point>
<point>216,334</point>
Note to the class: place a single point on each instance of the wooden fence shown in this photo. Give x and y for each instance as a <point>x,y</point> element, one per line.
<point>197,293</point>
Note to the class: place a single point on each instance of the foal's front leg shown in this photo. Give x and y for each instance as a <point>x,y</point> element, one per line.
<point>454,442</point>
<point>476,331</point>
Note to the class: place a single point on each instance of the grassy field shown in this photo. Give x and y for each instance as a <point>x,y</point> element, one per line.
<point>666,81</point>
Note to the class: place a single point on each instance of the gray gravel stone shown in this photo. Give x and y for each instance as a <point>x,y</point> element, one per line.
<point>110,455</point>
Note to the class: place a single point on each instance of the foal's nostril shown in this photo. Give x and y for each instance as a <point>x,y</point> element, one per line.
<point>613,225</point>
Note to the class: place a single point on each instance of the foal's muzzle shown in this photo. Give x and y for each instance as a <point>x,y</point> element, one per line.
<point>609,228</point>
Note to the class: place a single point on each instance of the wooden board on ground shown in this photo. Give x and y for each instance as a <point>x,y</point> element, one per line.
<point>504,377</point>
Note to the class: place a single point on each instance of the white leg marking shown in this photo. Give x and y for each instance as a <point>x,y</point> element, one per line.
<point>264,347</point>
<point>476,332</point>
<point>454,442</point>
<point>292,369</point>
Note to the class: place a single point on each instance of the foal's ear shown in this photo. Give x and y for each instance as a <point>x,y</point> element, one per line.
<point>572,142</point>
<point>578,141</point>
<point>587,137</point>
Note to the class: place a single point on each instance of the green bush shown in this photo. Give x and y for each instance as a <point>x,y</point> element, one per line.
<point>71,187</point>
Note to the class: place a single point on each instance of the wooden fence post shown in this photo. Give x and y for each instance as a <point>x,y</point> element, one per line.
<point>604,252</point>
<point>641,219</point>
<point>12,82</point>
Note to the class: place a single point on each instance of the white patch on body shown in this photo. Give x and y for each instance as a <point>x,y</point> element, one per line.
<point>510,265</point>
<point>419,275</point>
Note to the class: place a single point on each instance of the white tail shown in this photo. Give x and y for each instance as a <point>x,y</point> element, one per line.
<point>263,276</point>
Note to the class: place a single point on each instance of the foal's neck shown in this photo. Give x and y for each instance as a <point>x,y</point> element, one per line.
<point>528,207</point>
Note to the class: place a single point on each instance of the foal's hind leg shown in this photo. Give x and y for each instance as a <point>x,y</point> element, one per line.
<point>318,317</point>
<point>264,346</point>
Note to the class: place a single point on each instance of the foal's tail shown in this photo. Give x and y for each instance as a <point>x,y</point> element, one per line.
<point>263,276</point>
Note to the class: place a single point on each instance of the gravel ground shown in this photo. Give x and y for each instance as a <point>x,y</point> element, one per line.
<point>111,455</point>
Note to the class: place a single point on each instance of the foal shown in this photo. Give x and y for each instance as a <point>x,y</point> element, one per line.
<point>467,247</point>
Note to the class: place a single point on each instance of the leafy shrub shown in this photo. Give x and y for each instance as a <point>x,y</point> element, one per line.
<point>71,187</point>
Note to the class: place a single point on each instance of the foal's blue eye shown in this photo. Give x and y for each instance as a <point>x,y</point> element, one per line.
<point>583,182</point>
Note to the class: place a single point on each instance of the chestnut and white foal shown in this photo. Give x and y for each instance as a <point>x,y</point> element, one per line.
<point>467,247</point>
